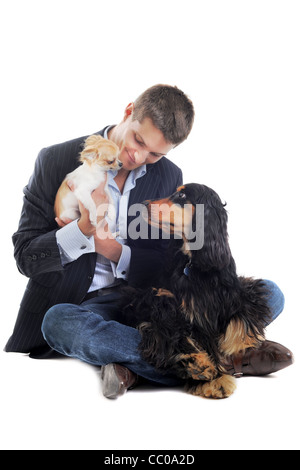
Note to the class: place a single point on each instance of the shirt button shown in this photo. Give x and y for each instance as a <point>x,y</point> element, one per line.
<point>123,273</point>
<point>83,247</point>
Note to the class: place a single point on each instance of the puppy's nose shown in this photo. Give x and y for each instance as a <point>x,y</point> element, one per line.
<point>120,164</point>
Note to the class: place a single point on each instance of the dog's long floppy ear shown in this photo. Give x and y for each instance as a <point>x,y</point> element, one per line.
<point>215,253</point>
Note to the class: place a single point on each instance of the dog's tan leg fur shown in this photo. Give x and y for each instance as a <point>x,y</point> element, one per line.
<point>164,292</point>
<point>198,366</point>
<point>237,339</point>
<point>222,387</point>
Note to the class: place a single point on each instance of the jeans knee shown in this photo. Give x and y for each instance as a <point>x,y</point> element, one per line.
<point>276,299</point>
<point>50,322</point>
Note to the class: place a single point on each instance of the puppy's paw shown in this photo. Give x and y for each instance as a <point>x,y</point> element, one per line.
<point>93,220</point>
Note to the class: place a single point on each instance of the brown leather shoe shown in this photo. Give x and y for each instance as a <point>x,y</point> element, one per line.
<point>116,380</point>
<point>267,359</point>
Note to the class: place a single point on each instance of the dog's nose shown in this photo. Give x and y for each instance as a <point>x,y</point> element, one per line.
<point>120,164</point>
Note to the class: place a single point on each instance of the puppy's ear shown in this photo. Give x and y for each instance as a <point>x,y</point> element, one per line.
<point>215,254</point>
<point>88,154</point>
<point>93,140</point>
<point>91,148</point>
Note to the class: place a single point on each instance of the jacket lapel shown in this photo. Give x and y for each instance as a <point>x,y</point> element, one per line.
<point>146,187</point>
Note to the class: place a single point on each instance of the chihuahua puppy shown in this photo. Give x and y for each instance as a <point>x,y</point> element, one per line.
<point>98,156</point>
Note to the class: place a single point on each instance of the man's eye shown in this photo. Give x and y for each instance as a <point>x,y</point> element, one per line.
<point>138,141</point>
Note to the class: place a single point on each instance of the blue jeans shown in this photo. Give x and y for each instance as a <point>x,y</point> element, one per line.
<point>92,332</point>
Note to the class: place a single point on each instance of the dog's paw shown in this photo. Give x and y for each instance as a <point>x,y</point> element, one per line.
<point>93,220</point>
<point>222,387</point>
<point>198,366</point>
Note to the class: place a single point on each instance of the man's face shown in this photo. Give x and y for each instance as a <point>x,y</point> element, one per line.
<point>142,143</point>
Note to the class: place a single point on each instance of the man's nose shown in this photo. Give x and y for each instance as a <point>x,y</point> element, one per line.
<point>140,157</point>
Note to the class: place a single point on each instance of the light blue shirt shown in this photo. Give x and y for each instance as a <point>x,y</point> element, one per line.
<point>73,243</point>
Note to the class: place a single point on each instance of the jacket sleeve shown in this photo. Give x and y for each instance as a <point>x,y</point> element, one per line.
<point>35,246</point>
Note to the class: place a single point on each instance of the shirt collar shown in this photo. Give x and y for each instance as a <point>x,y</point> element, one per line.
<point>105,134</point>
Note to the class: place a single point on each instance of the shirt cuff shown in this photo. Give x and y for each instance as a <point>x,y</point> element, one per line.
<point>121,270</point>
<point>72,243</point>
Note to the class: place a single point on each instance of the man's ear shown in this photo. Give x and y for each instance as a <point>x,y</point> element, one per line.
<point>128,111</point>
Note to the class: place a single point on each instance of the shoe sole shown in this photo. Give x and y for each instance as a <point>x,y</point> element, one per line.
<point>112,388</point>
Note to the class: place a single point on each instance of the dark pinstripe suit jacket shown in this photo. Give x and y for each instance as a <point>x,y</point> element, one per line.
<point>37,253</point>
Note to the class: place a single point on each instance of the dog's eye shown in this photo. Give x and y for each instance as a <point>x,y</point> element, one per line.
<point>182,195</point>
<point>111,162</point>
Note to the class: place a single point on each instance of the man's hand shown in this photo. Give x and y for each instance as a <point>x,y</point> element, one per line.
<point>62,223</point>
<point>105,242</point>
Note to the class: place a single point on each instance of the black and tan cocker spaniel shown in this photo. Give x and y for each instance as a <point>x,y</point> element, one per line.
<point>202,311</point>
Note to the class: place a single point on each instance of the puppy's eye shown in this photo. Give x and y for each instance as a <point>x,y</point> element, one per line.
<point>182,195</point>
<point>111,162</point>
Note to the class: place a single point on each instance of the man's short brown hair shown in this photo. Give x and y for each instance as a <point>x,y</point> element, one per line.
<point>170,110</point>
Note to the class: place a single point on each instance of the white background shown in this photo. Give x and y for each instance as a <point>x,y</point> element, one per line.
<point>68,68</point>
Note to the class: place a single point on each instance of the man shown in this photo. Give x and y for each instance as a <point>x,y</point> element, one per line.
<point>76,275</point>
